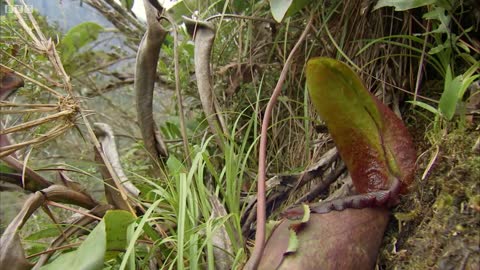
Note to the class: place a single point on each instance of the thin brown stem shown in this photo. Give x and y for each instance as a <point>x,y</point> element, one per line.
<point>262,156</point>
<point>59,205</point>
<point>421,64</point>
<point>55,221</point>
<point>53,250</point>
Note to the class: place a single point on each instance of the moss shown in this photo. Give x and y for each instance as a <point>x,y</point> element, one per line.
<point>437,225</point>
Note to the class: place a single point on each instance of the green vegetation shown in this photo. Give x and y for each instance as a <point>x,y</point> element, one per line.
<point>196,208</point>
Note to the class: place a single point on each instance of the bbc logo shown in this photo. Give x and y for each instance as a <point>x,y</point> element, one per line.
<point>6,9</point>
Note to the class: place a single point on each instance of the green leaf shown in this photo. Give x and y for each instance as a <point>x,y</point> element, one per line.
<point>437,49</point>
<point>172,128</point>
<point>131,256</point>
<point>373,142</point>
<point>279,8</point>
<point>134,234</point>
<point>5,169</point>
<point>181,8</point>
<point>44,233</point>
<point>463,46</point>
<point>468,78</point>
<point>286,8</point>
<point>240,5</point>
<point>116,225</point>
<point>175,166</point>
<point>127,4</point>
<point>425,106</point>
<point>401,5</point>
<point>77,37</point>
<point>449,98</point>
<point>89,255</point>
<point>466,82</point>
<point>296,6</point>
<point>106,240</point>
<point>454,90</point>
<point>439,13</point>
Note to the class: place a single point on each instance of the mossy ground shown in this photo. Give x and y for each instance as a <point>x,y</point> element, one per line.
<point>437,225</point>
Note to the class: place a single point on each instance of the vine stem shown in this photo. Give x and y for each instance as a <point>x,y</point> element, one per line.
<point>262,156</point>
